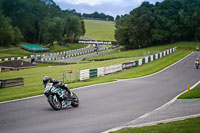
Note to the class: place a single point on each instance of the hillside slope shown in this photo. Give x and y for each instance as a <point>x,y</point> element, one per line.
<point>100,30</point>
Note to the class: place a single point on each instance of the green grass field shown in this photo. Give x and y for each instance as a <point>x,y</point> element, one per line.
<point>33,77</point>
<point>146,51</point>
<point>18,52</point>
<point>100,30</point>
<point>194,93</point>
<point>183,126</point>
<point>14,53</point>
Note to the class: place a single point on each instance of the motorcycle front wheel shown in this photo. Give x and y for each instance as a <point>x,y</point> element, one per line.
<point>75,102</point>
<point>54,102</point>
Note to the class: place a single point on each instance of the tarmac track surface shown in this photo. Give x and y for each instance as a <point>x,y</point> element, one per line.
<point>102,107</point>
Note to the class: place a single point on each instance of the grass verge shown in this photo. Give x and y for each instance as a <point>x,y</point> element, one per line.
<point>146,69</point>
<point>194,93</point>
<point>183,126</point>
<point>18,52</point>
<point>182,46</point>
<point>33,77</point>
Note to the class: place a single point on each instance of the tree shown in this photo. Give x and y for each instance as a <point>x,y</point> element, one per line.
<point>9,35</point>
<point>18,37</point>
<point>73,27</point>
<point>190,19</point>
<point>167,25</point>
<point>165,22</point>
<point>54,31</point>
<point>138,25</point>
<point>97,15</point>
<point>35,18</point>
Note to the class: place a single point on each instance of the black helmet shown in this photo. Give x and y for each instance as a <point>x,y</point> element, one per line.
<point>46,79</point>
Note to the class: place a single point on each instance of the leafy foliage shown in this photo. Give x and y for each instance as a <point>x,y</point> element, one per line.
<point>9,34</point>
<point>39,21</point>
<point>97,15</point>
<point>165,22</point>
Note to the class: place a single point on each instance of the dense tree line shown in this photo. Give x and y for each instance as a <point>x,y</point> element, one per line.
<point>165,22</point>
<point>37,21</point>
<point>100,16</point>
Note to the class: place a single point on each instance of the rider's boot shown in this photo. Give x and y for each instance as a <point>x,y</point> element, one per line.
<point>71,95</point>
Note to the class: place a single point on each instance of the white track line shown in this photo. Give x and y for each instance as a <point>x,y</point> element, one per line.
<point>153,123</point>
<point>103,83</point>
<point>147,114</point>
<point>21,99</point>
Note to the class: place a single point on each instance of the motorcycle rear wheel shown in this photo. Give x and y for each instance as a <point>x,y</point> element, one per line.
<point>54,102</point>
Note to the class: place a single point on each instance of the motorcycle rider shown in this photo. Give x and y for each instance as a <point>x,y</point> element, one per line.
<point>47,79</point>
<point>197,61</point>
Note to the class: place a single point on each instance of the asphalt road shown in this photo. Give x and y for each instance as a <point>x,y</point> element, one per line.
<point>60,56</point>
<point>101,107</point>
<point>80,58</point>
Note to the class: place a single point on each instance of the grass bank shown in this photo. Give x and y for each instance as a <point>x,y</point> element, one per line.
<point>181,46</point>
<point>146,69</point>
<point>33,77</point>
<point>100,30</point>
<point>18,52</point>
<point>194,93</point>
<point>184,126</point>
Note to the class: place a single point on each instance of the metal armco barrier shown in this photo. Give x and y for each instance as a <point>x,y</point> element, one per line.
<point>11,82</point>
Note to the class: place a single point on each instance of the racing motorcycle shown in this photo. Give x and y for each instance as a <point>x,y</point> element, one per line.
<point>58,98</point>
<point>197,64</point>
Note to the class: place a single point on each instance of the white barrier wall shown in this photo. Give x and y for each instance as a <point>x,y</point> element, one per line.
<point>100,71</point>
<point>174,49</point>
<point>156,56</point>
<point>112,69</point>
<point>167,52</point>
<point>146,59</point>
<point>85,74</point>
<point>139,62</point>
<point>117,68</point>
<point>164,53</point>
<point>161,55</point>
<point>151,57</point>
<point>170,51</point>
